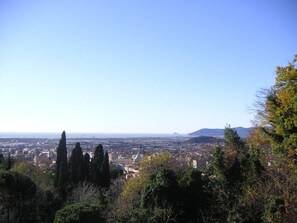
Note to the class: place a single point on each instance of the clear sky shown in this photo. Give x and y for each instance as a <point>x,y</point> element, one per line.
<point>138,66</point>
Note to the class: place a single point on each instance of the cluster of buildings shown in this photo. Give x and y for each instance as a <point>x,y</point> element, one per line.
<point>124,153</point>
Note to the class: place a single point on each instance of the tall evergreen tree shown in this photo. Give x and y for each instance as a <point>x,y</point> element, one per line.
<point>9,162</point>
<point>61,165</point>
<point>217,164</point>
<point>105,171</point>
<point>62,182</point>
<point>236,150</point>
<point>233,142</point>
<point>2,161</point>
<point>1,158</point>
<point>86,168</point>
<point>76,164</point>
<point>96,165</point>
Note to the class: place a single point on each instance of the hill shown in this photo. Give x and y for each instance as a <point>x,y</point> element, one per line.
<point>242,132</point>
<point>205,139</point>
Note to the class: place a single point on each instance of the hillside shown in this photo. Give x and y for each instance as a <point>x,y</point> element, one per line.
<point>242,132</point>
<point>205,139</point>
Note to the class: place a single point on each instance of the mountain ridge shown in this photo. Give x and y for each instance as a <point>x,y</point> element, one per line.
<point>217,132</point>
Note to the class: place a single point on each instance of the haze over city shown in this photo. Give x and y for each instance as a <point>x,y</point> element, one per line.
<point>138,66</point>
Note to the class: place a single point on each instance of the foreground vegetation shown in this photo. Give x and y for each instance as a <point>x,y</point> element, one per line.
<point>250,180</point>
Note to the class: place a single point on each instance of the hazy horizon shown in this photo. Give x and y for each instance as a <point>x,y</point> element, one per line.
<point>73,135</point>
<point>97,134</point>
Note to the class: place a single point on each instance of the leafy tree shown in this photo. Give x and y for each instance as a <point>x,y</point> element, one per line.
<point>128,205</point>
<point>46,201</point>
<point>131,192</point>
<point>137,215</point>
<point>149,165</point>
<point>97,164</point>
<point>280,113</point>
<point>79,213</point>
<point>161,189</point>
<point>259,146</point>
<point>46,204</point>
<point>268,192</point>
<point>41,177</point>
<point>193,196</point>
<point>76,164</point>
<point>16,192</point>
<point>161,196</point>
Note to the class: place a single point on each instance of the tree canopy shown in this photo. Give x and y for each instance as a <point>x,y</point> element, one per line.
<point>79,213</point>
<point>280,112</point>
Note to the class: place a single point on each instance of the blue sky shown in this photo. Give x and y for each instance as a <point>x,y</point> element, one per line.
<point>150,66</point>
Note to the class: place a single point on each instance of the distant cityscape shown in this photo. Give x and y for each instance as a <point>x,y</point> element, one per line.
<point>124,153</point>
<point>125,150</point>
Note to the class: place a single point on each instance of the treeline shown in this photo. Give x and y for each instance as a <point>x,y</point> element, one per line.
<point>247,180</point>
<point>80,168</point>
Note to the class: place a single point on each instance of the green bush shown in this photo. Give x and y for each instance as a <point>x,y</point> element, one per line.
<point>79,213</point>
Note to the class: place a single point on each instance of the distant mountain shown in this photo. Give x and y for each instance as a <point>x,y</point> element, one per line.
<point>205,139</point>
<point>242,132</point>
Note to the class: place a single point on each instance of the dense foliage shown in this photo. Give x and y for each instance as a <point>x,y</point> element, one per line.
<point>78,213</point>
<point>281,113</point>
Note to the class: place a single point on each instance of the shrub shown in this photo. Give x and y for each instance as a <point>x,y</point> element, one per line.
<point>79,213</point>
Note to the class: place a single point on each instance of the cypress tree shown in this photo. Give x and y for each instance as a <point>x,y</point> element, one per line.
<point>105,171</point>
<point>9,162</point>
<point>86,168</point>
<point>63,180</point>
<point>1,158</point>
<point>61,164</point>
<point>76,163</point>
<point>96,165</point>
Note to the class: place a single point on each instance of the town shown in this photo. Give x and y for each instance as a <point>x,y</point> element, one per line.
<point>124,153</point>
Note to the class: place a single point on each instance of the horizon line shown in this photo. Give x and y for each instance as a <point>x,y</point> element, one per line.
<point>116,133</point>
